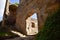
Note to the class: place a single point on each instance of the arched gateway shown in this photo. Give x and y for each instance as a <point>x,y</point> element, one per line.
<point>28,7</point>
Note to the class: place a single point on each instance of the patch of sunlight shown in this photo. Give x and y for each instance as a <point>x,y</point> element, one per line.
<point>18,33</point>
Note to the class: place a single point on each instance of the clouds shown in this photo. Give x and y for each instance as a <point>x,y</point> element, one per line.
<point>2,6</point>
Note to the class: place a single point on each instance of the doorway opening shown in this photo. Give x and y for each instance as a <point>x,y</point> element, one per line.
<point>32,25</point>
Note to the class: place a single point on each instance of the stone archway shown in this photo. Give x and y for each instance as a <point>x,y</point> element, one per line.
<point>28,19</point>
<point>32,25</point>
<point>27,8</point>
<point>21,20</point>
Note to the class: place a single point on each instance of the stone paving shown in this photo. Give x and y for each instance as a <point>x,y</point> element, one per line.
<point>22,38</point>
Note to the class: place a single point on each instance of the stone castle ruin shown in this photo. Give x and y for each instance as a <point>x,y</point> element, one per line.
<point>27,8</point>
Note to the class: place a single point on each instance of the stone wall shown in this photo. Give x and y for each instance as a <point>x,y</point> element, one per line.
<point>10,14</point>
<point>6,11</point>
<point>27,7</point>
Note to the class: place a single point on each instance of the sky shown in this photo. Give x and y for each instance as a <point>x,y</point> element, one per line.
<point>14,1</point>
<point>34,16</point>
<point>2,6</point>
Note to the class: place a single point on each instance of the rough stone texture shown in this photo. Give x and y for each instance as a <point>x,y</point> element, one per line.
<point>10,17</point>
<point>28,7</point>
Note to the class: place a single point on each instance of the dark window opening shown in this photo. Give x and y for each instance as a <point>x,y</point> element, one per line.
<point>33,25</point>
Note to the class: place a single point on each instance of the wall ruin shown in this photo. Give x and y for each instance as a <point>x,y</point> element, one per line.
<point>28,7</point>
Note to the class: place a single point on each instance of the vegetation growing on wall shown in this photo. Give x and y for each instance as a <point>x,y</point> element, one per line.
<point>51,30</point>
<point>13,7</point>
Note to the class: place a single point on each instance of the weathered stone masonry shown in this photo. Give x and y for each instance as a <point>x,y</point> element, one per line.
<point>28,7</point>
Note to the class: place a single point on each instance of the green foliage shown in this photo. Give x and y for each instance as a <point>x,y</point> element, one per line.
<point>4,31</point>
<point>13,8</point>
<point>16,4</point>
<point>51,30</point>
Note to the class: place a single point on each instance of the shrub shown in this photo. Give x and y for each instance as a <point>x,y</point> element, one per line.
<point>51,30</point>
